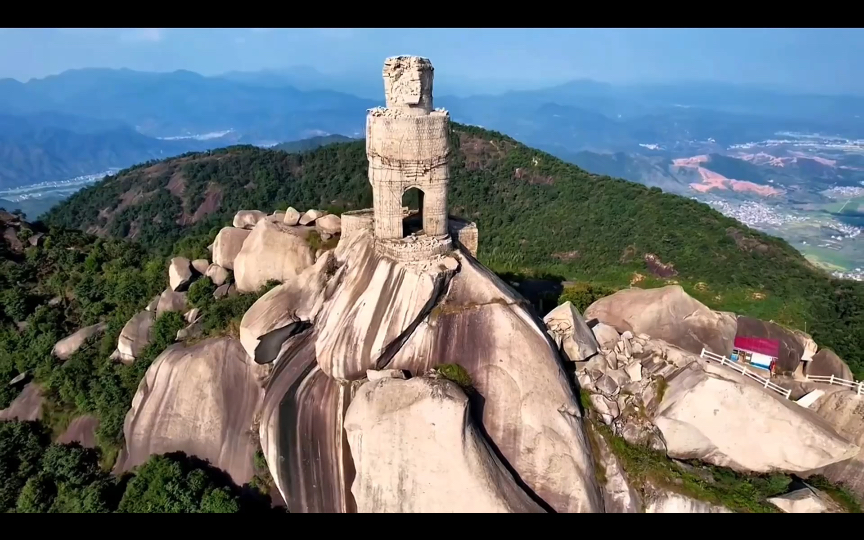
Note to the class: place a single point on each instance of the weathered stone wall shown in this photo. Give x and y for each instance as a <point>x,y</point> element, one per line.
<point>357,220</point>
<point>408,83</point>
<point>408,146</point>
<point>465,234</point>
<point>414,248</point>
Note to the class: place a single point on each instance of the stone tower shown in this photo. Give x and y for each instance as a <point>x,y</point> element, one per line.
<point>408,146</point>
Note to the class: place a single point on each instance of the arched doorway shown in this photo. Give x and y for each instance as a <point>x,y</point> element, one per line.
<point>412,198</point>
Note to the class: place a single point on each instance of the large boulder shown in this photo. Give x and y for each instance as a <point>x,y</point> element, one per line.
<point>179,273</point>
<point>271,252</point>
<point>712,414</point>
<point>69,345</point>
<point>27,407</point>
<point>246,219</point>
<point>416,450</point>
<point>292,217</point>
<point>844,411</point>
<point>200,400</point>
<point>170,301</point>
<point>227,245</point>
<point>826,363</point>
<point>800,501</point>
<point>529,411</point>
<point>295,301</point>
<point>374,300</point>
<point>135,336</point>
<point>217,274</point>
<point>310,216</point>
<point>330,224</point>
<point>571,334</point>
<point>201,265</point>
<point>667,313</point>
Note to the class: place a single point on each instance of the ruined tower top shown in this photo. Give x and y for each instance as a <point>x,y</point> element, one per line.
<point>408,84</point>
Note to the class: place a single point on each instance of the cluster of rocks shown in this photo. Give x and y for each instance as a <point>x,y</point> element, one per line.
<point>16,233</point>
<point>653,393</point>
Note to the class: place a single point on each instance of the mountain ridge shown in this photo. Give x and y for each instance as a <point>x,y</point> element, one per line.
<point>604,228</point>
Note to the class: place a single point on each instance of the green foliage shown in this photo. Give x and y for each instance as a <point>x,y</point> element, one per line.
<point>457,374</point>
<point>841,494</point>
<point>582,294</point>
<point>38,477</point>
<point>21,448</point>
<point>176,484</point>
<point>200,293</point>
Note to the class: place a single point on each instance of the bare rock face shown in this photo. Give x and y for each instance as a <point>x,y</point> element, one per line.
<point>310,216</point>
<point>298,299</point>
<point>667,313</point>
<point>619,497</point>
<point>200,400</point>
<point>801,501</point>
<point>170,301</point>
<point>373,301</point>
<point>227,245</point>
<point>217,274</point>
<point>570,333</point>
<point>179,273</point>
<point>330,224</point>
<point>227,289</point>
<point>247,219</point>
<point>270,252</point>
<point>277,217</point>
<point>27,407</point>
<point>292,217</point>
<point>843,410</point>
<point>416,450</point>
<point>69,345</point>
<point>201,265</point>
<point>81,430</point>
<point>826,363</point>
<point>707,414</point>
<point>529,410</point>
<point>135,336</point>
<point>605,335</point>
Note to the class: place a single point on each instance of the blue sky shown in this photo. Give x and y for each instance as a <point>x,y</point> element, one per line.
<point>828,60</point>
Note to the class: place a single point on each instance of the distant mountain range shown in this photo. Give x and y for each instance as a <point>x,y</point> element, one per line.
<point>312,143</point>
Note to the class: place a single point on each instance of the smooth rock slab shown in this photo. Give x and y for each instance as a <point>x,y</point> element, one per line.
<point>27,407</point>
<point>135,336</point>
<point>246,219</point>
<point>69,345</point>
<point>717,419</point>
<point>81,430</point>
<point>170,301</point>
<point>416,450</point>
<point>802,501</point>
<point>217,274</point>
<point>200,400</point>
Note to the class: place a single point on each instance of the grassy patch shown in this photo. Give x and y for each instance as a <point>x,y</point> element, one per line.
<point>839,493</point>
<point>662,386</point>
<point>315,242</point>
<point>715,485</point>
<point>457,374</point>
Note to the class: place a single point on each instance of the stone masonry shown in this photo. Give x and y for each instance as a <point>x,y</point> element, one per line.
<point>408,146</point>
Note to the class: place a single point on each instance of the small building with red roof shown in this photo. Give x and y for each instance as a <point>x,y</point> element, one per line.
<point>759,352</point>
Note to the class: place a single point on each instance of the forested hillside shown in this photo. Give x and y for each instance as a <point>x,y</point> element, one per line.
<point>537,215</point>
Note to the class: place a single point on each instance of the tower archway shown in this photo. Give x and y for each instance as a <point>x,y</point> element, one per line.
<point>412,201</point>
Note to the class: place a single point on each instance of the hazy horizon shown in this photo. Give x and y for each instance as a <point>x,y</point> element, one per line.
<point>823,61</point>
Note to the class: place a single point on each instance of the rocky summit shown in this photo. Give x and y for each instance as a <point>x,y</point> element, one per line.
<point>368,361</point>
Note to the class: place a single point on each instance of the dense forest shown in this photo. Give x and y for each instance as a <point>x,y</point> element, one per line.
<point>537,216</point>
<point>67,280</point>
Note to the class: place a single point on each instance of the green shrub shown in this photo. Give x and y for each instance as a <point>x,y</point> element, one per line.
<point>583,294</point>
<point>457,374</point>
<point>200,294</point>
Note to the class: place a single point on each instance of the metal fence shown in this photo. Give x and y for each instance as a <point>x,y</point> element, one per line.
<point>742,369</point>
<point>858,387</point>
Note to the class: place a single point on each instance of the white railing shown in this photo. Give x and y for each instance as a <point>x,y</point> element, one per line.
<point>742,369</point>
<point>858,387</point>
